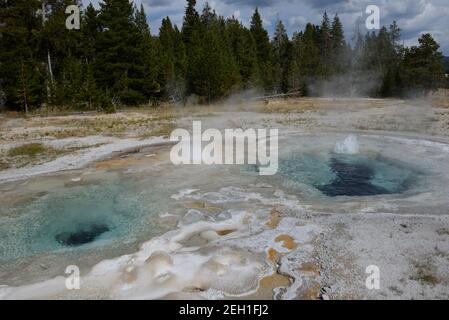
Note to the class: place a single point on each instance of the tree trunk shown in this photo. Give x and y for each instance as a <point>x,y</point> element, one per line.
<point>24,86</point>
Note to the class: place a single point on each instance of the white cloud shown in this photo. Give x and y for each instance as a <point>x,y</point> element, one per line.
<point>298,22</point>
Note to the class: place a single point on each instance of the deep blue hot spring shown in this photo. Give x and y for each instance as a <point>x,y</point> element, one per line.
<point>110,212</point>
<point>337,175</point>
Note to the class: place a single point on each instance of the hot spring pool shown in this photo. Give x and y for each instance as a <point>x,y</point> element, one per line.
<point>346,167</point>
<point>348,175</point>
<point>340,166</point>
<point>80,217</point>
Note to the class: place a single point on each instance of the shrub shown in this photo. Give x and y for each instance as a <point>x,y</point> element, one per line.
<point>31,149</point>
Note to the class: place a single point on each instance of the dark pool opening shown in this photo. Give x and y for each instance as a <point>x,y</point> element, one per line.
<point>82,235</point>
<point>351,179</point>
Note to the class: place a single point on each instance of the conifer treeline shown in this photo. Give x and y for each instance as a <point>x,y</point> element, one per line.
<point>114,59</point>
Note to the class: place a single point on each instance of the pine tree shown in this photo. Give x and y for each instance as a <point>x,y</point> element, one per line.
<point>208,17</point>
<point>120,64</point>
<point>395,62</point>
<point>64,52</point>
<point>296,76</point>
<point>140,19</point>
<point>167,47</point>
<point>173,61</point>
<point>423,65</point>
<point>325,46</point>
<point>243,48</point>
<point>340,53</point>
<point>151,58</point>
<point>212,71</point>
<point>264,52</point>
<point>179,89</point>
<point>89,28</point>
<point>231,72</point>
<point>191,22</point>
<point>22,73</point>
<point>310,53</point>
<point>193,36</point>
<point>282,51</point>
<point>386,56</point>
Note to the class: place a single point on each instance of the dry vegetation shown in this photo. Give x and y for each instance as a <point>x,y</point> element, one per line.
<point>35,153</point>
<point>22,137</point>
<point>425,273</point>
<point>163,130</point>
<point>130,123</point>
<point>31,153</point>
<point>440,98</point>
<point>27,150</point>
<point>302,105</point>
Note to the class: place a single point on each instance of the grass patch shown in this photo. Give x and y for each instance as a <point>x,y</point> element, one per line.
<point>396,290</point>
<point>443,232</point>
<point>3,166</point>
<point>30,150</point>
<point>164,130</point>
<point>425,274</point>
<point>36,153</point>
<point>427,277</point>
<point>29,154</point>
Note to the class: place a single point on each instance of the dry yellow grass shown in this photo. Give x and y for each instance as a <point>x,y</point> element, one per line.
<point>440,98</point>
<point>301,105</point>
<point>163,130</point>
<point>145,121</point>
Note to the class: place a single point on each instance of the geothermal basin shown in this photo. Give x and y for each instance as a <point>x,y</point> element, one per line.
<point>139,227</point>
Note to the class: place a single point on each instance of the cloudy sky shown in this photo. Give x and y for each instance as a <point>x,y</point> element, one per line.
<point>413,16</point>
